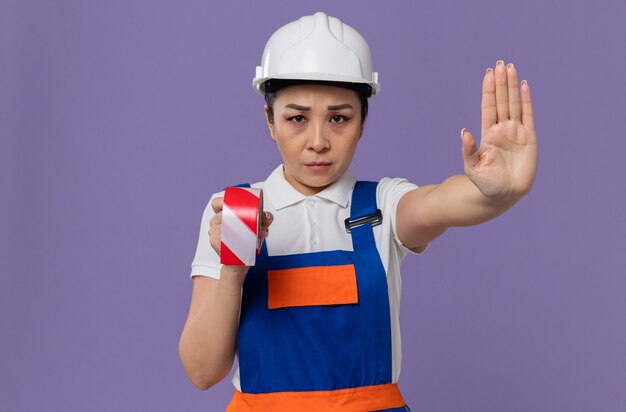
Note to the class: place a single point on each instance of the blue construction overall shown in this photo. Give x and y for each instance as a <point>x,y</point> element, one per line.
<point>314,330</point>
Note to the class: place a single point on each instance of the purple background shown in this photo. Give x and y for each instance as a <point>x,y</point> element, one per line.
<point>118,119</point>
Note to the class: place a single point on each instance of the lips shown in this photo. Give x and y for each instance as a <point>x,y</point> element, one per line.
<point>318,164</point>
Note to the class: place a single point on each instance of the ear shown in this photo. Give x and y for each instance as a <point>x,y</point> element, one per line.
<point>270,125</point>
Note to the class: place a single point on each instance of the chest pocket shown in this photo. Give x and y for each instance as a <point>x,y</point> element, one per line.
<point>312,286</point>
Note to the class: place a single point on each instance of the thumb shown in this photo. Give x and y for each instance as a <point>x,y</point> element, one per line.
<point>267,220</point>
<point>469,149</point>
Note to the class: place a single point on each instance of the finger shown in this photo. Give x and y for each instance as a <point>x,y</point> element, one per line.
<point>528,118</point>
<point>488,103</point>
<point>216,219</point>
<point>266,220</point>
<point>215,230</point>
<point>215,236</point>
<point>469,149</point>
<point>218,204</point>
<point>515,109</point>
<point>502,96</point>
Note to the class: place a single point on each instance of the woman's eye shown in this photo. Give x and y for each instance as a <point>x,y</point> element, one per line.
<point>297,119</point>
<point>338,118</point>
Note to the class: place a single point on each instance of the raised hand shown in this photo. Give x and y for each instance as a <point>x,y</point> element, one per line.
<point>215,224</point>
<point>505,165</point>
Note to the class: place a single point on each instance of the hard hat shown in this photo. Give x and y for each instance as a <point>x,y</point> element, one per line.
<point>317,47</point>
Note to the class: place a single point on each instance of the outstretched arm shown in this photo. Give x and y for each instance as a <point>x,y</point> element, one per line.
<point>497,174</point>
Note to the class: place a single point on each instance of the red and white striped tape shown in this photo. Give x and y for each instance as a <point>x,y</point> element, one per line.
<point>241,222</point>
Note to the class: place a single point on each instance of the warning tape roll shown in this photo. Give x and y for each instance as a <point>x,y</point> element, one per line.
<point>241,223</point>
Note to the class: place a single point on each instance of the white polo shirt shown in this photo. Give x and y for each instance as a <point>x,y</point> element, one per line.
<point>304,224</point>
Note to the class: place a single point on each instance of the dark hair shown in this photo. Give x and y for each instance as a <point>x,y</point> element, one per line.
<point>273,86</point>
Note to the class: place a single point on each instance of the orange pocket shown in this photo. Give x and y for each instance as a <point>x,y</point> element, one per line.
<point>312,286</point>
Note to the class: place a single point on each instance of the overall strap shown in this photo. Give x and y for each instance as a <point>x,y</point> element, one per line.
<point>375,342</point>
<point>363,215</point>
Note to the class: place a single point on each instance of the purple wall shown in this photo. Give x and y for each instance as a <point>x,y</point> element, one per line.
<point>118,119</point>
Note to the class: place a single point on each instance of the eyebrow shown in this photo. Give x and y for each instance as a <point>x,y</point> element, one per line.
<point>308,109</point>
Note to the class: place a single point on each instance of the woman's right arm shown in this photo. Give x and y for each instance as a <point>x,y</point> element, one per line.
<point>208,342</point>
<point>209,339</point>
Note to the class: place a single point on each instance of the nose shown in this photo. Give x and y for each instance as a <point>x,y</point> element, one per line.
<point>318,138</point>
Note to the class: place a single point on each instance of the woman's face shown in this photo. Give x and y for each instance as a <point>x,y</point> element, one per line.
<point>316,128</point>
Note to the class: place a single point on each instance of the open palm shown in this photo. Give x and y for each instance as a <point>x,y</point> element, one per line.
<point>505,164</point>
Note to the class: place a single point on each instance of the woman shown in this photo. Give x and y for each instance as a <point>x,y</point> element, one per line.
<point>317,324</point>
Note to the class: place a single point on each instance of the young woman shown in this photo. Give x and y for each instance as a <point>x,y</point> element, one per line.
<point>315,323</point>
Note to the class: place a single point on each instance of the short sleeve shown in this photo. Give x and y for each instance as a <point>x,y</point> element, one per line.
<point>391,191</point>
<point>206,261</point>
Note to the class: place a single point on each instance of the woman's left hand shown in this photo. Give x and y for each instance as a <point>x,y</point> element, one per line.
<point>505,165</point>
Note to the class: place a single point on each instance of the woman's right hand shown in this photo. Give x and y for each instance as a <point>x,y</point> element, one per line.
<point>215,231</point>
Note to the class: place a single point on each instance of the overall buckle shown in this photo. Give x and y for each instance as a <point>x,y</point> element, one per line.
<point>375,219</point>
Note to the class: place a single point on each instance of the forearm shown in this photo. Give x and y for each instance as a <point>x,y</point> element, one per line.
<point>208,342</point>
<point>458,202</point>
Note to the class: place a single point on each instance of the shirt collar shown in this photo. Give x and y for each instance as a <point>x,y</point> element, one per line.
<point>283,194</point>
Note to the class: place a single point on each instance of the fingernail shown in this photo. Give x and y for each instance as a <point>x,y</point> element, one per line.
<point>462,131</point>
<point>267,215</point>
<point>489,70</point>
<point>500,63</point>
<point>510,66</point>
<point>524,82</point>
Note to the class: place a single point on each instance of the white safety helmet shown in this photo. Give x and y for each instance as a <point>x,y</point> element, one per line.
<point>317,47</point>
